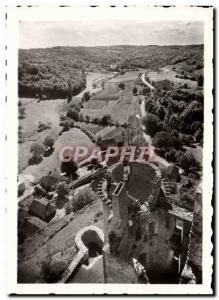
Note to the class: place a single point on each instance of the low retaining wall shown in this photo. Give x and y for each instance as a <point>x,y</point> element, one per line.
<point>82,239</point>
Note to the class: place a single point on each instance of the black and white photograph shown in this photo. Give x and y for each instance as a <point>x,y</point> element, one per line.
<point>114,139</point>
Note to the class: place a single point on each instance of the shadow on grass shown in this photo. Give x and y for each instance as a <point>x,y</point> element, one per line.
<point>48,152</point>
<point>35,160</point>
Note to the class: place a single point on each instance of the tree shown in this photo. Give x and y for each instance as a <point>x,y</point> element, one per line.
<point>69,90</point>
<point>163,140</point>
<point>152,124</point>
<point>161,112</point>
<point>21,111</point>
<point>188,162</point>
<point>73,114</point>
<point>62,189</point>
<point>150,107</point>
<point>200,80</point>
<point>121,86</point>
<point>49,141</point>
<point>96,121</point>
<point>69,168</point>
<point>66,125</point>
<point>86,97</point>
<point>37,150</point>
<point>99,141</point>
<point>134,91</point>
<point>105,120</point>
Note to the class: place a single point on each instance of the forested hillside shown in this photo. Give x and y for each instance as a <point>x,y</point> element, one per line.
<point>53,71</point>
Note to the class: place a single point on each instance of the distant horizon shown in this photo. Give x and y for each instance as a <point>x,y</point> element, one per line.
<point>122,45</point>
<point>39,35</point>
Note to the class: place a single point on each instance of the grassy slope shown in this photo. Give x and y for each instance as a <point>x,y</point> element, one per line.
<point>34,250</point>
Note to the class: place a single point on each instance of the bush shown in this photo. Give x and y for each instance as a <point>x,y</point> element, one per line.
<point>83,198</point>
<point>49,141</point>
<point>73,114</point>
<point>96,121</point>
<point>186,201</point>
<point>200,80</point>
<point>63,118</point>
<point>62,189</point>
<point>105,120</point>
<point>43,126</point>
<point>37,150</point>
<point>69,168</point>
<point>134,91</point>
<point>163,140</point>
<point>188,162</point>
<point>52,270</point>
<point>66,125</point>
<point>86,96</point>
<point>121,85</point>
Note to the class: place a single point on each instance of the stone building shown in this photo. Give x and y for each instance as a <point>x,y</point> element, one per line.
<point>141,222</point>
<point>42,208</point>
<point>146,237</point>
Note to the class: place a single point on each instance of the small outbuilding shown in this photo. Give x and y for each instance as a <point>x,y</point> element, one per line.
<point>43,209</point>
<point>34,224</point>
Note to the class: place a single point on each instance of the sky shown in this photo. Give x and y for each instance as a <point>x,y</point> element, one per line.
<point>106,33</point>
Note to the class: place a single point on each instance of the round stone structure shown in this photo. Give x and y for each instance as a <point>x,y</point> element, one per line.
<point>144,180</point>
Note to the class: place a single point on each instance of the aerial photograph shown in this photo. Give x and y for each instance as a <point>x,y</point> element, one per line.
<point>110,148</point>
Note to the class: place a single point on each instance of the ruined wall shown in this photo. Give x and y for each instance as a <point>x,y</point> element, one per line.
<point>152,239</point>
<point>192,272</point>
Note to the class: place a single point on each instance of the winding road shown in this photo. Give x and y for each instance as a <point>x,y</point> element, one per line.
<point>147,137</point>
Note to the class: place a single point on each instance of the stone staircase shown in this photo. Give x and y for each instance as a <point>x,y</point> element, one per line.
<point>165,188</point>
<point>101,191</point>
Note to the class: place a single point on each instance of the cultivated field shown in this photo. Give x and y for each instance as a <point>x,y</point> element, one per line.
<point>119,104</point>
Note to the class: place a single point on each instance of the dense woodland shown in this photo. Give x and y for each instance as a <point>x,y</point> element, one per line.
<point>53,72</point>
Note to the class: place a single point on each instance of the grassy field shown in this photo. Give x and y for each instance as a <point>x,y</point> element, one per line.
<point>94,78</point>
<point>45,111</point>
<point>169,74</point>
<point>119,104</point>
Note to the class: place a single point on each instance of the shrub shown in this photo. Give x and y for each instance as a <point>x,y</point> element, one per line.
<point>163,140</point>
<point>134,91</point>
<point>52,270</point>
<point>200,80</point>
<point>105,120</point>
<point>37,150</point>
<point>99,141</point>
<point>69,168</point>
<point>66,125</point>
<point>186,201</point>
<point>86,96</point>
<point>73,114</point>
<point>87,119</point>
<point>43,126</point>
<point>62,189</point>
<point>83,198</point>
<point>49,141</point>
<point>96,121</point>
<point>63,118</point>
<point>188,162</point>
<point>121,85</point>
